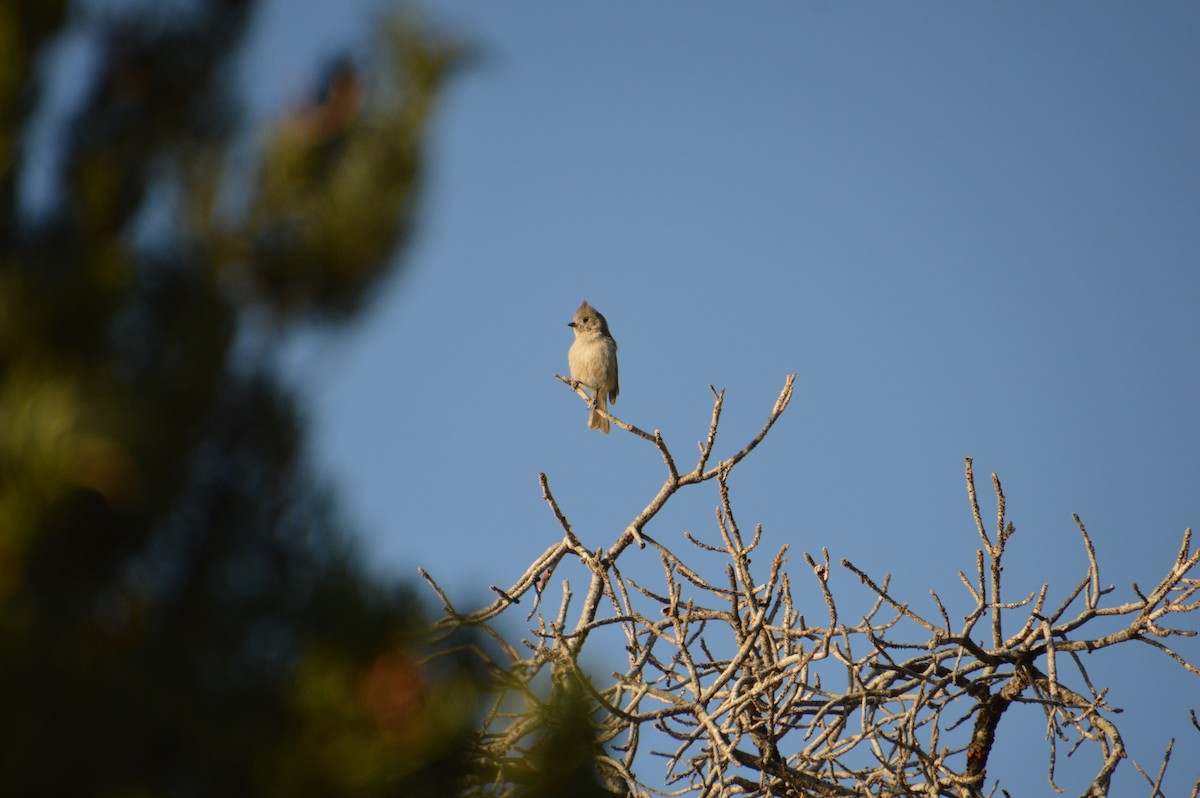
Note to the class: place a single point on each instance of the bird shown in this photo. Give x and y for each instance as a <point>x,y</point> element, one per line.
<point>593,361</point>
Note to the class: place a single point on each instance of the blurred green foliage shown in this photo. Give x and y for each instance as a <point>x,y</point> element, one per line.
<point>180,612</point>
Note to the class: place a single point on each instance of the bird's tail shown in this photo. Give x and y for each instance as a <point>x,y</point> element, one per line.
<point>597,421</point>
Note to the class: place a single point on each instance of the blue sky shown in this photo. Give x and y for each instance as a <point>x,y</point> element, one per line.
<point>969,229</point>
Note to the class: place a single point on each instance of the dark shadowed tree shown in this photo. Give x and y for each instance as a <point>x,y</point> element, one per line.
<point>180,613</point>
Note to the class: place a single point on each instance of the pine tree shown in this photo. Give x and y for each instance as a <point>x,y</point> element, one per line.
<point>180,611</point>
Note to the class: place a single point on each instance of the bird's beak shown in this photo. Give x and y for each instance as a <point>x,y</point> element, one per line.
<point>570,324</point>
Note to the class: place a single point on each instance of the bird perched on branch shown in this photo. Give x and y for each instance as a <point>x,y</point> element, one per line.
<point>593,361</point>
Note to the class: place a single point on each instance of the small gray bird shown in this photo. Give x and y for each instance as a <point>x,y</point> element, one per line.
<point>593,360</point>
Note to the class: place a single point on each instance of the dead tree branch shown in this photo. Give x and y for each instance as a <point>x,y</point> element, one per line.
<point>741,695</point>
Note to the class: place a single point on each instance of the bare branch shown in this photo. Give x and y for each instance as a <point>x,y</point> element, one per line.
<point>724,672</point>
